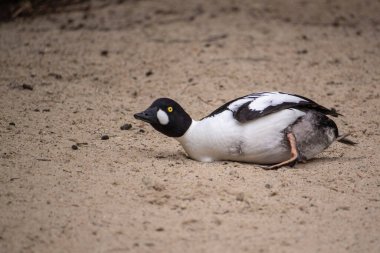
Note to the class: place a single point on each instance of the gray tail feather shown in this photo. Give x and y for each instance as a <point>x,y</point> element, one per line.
<point>334,112</point>
<point>344,140</point>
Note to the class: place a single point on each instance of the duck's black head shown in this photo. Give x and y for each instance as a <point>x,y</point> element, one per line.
<point>166,116</point>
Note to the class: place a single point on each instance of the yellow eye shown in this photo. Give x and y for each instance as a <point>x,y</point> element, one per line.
<point>170,109</point>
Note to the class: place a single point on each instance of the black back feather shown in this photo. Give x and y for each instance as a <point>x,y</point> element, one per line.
<point>243,113</point>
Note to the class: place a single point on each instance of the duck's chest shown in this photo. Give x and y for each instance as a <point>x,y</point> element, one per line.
<point>223,138</point>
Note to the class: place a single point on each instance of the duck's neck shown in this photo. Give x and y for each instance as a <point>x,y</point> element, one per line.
<point>187,136</point>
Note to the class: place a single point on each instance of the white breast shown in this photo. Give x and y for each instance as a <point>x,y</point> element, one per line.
<point>223,138</point>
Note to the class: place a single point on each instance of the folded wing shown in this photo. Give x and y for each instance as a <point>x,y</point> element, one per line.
<point>257,105</point>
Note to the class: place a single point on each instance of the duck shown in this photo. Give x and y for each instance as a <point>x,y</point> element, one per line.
<point>271,129</point>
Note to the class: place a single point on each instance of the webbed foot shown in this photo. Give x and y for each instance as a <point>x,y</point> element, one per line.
<point>294,155</point>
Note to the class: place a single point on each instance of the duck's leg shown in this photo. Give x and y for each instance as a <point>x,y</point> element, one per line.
<point>293,154</point>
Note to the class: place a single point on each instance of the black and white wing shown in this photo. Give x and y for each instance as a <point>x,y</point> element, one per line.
<point>257,105</point>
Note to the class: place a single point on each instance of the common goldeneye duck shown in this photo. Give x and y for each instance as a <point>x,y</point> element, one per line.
<point>268,128</point>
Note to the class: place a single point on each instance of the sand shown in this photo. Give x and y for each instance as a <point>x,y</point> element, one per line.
<point>71,77</point>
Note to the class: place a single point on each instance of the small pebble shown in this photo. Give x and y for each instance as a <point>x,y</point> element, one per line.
<point>240,196</point>
<point>105,137</point>
<point>303,51</point>
<point>149,73</point>
<point>27,86</point>
<point>142,131</point>
<point>12,124</point>
<point>273,194</point>
<point>126,127</point>
<point>55,75</point>
<point>74,147</point>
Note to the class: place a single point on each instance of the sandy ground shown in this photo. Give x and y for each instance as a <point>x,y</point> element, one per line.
<point>90,69</point>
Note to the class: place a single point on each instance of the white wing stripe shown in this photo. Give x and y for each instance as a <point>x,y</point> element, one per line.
<point>272,99</point>
<point>238,103</point>
<point>260,101</point>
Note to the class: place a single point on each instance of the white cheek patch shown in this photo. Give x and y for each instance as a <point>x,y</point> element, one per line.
<point>162,117</point>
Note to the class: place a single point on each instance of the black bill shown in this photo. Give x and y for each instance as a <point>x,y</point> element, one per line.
<point>149,115</point>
